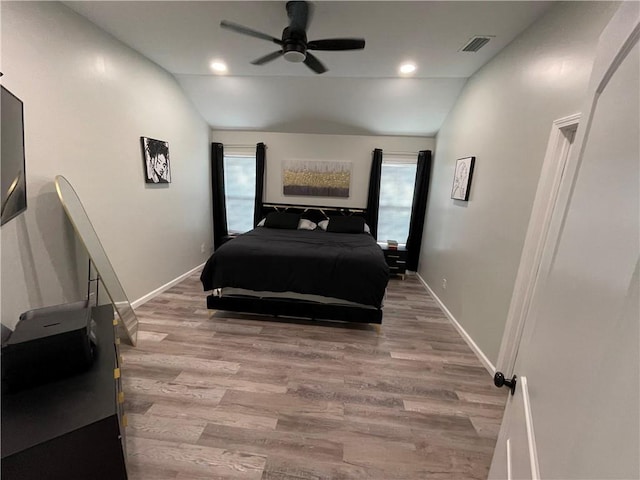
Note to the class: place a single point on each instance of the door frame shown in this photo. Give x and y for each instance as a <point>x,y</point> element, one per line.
<point>553,178</point>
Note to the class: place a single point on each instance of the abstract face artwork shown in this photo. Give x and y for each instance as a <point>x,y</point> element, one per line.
<point>156,160</point>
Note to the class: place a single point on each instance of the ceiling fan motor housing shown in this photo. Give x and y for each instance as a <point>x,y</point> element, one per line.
<point>294,45</point>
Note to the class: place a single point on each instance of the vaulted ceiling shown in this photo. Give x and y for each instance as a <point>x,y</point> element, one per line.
<point>362,91</point>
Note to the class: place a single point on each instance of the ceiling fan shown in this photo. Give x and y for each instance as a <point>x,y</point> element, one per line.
<point>294,45</point>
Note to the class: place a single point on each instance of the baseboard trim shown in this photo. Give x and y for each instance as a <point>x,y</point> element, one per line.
<point>144,299</point>
<point>467,338</point>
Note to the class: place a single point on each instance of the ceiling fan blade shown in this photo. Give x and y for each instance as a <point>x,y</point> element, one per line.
<point>248,31</point>
<point>337,44</point>
<point>314,64</point>
<point>299,15</point>
<point>267,58</point>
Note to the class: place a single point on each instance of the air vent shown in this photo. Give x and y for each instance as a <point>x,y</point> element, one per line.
<point>475,44</point>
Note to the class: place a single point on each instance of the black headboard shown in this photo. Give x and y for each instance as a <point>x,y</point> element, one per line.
<point>315,213</point>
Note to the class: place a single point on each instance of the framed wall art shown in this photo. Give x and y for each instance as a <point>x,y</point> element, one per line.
<point>462,178</point>
<point>316,178</point>
<point>155,154</point>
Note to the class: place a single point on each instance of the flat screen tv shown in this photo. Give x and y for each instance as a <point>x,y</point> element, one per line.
<point>12,163</point>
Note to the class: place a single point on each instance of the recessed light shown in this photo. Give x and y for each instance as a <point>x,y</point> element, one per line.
<point>407,68</point>
<point>218,66</point>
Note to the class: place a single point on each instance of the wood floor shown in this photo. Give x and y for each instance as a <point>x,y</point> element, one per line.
<point>215,395</point>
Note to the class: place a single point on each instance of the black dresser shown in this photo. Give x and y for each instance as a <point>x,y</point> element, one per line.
<point>71,429</point>
<point>396,259</point>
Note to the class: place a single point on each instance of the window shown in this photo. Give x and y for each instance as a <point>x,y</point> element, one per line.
<point>397,182</point>
<point>240,191</point>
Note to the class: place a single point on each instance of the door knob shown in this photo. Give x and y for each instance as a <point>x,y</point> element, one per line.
<point>500,381</point>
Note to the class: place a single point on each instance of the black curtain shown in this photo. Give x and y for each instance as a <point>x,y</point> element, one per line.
<point>373,201</point>
<point>260,158</point>
<point>220,230</point>
<point>418,209</point>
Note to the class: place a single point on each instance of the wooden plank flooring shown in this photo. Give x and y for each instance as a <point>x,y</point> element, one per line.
<point>222,395</point>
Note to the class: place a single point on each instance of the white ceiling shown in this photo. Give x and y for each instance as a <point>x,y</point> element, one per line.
<point>361,93</point>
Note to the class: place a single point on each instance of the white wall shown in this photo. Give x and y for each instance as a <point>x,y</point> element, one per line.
<point>503,117</point>
<point>87,101</point>
<point>301,146</point>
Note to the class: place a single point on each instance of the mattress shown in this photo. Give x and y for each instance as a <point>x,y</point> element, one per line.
<point>342,266</point>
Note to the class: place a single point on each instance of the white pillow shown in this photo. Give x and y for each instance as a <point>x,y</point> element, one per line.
<point>305,224</point>
<point>324,223</point>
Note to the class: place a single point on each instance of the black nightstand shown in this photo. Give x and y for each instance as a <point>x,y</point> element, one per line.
<point>396,259</point>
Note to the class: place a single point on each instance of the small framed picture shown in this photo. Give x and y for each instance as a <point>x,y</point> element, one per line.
<point>462,178</point>
<point>155,154</point>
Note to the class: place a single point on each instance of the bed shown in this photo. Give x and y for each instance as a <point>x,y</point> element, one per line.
<point>338,274</point>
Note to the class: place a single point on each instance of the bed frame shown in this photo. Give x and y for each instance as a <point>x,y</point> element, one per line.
<point>299,308</point>
<point>295,308</point>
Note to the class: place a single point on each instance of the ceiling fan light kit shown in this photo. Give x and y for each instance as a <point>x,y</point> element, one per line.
<point>295,56</point>
<point>295,47</point>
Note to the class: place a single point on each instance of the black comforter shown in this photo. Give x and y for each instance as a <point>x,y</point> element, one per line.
<point>340,265</point>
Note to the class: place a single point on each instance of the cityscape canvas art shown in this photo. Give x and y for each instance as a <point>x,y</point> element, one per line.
<point>316,178</point>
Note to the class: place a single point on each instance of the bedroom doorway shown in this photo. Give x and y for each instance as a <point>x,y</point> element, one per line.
<point>553,179</point>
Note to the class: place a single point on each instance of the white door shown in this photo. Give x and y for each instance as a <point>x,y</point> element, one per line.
<point>575,411</point>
